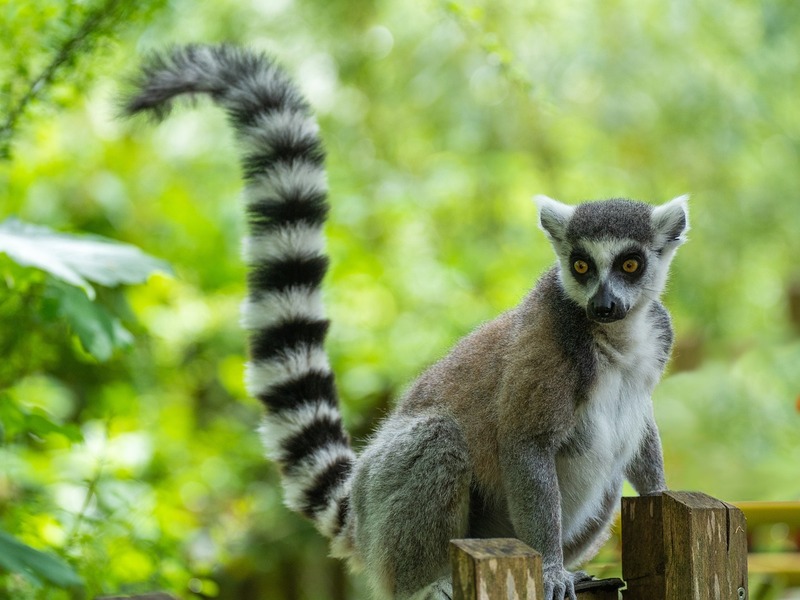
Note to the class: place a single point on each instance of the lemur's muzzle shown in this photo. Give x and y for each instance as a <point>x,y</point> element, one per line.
<point>604,307</point>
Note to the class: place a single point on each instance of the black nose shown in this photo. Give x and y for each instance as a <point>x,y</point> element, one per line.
<point>603,310</point>
<point>604,307</point>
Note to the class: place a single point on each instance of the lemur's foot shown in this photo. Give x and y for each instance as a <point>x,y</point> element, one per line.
<point>559,584</point>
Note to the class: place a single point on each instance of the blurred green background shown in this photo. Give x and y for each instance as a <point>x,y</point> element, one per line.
<point>128,449</point>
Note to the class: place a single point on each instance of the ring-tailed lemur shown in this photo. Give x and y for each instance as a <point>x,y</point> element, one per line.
<point>526,428</point>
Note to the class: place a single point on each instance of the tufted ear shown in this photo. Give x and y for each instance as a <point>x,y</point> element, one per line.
<point>670,221</point>
<point>553,217</point>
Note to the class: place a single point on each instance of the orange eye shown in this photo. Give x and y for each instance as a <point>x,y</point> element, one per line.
<point>631,265</point>
<point>581,267</point>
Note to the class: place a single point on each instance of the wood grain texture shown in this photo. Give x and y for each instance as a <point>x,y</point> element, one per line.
<point>737,552</point>
<point>643,557</point>
<point>599,589</point>
<point>507,569</point>
<point>494,569</point>
<point>683,546</point>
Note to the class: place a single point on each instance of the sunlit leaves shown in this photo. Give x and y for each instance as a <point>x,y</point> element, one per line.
<point>441,121</point>
<point>99,331</point>
<point>76,259</point>
<point>16,557</point>
<point>17,420</point>
<point>75,262</point>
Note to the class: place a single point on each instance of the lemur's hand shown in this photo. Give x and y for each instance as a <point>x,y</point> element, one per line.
<point>559,583</point>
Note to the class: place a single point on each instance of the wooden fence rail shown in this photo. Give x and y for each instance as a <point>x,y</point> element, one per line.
<point>675,546</point>
<point>773,533</point>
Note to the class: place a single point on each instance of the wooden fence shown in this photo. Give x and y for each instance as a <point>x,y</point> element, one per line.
<point>675,546</point>
<point>773,541</point>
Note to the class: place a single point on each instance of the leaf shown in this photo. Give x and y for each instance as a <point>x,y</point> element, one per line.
<point>99,331</point>
<point>16,557</point>
<point>39,423</point>
<point>77,259</point>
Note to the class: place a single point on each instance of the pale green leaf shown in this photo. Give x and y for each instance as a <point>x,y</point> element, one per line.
<point>16,557</point>
<point>76,259</point>
<point>99,331</point>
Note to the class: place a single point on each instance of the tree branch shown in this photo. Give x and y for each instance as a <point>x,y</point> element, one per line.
<point>94,21</point>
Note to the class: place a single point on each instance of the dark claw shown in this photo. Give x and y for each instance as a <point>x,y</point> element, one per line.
<point>581,576</point>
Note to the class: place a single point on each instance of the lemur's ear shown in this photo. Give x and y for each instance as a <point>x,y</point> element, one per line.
<point>671,221</point>
<point>553,217</point>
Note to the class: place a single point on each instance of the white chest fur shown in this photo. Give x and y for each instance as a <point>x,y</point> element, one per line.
<point>611,424</point>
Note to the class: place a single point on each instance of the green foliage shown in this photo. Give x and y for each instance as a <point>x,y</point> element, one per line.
<point>39,567</point>
<point>70,263</point>
<point>128,445</point>
<point>76,260</point>
<point>48,277</point>
<point>69,30</point>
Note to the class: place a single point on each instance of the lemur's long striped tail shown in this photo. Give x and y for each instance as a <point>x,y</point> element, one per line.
<point>286,206</point>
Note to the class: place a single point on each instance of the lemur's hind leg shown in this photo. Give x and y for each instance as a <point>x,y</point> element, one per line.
<point>410,497</point>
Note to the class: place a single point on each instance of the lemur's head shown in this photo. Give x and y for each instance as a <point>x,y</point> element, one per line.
<point>614,254</point>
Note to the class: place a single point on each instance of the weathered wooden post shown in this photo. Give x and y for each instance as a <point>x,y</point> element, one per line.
<point>507,569</point>
<point>494,569</point>
<point>683,546</point>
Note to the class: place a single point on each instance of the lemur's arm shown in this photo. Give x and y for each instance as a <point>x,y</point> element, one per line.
<point>646,470</point>
<point>534,504</point>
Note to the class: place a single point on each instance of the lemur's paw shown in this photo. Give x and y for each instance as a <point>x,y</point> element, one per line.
<point>559,583</point>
